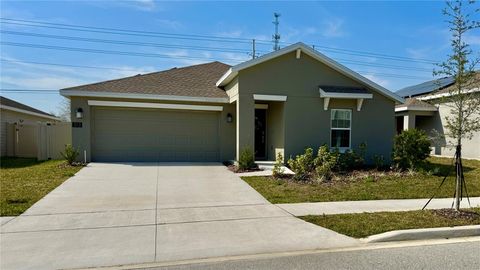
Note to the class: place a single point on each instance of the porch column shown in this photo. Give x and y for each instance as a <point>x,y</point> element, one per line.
<point>245,124</point>
<point>408,121</point>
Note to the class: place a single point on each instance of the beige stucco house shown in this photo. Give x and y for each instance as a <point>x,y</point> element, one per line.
<point>283,101</point>
<point>17,117</point>
<point>426,109</point>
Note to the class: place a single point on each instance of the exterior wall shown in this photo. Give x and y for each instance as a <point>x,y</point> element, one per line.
<point>275,129</point>
<point>7,116</point>
<point>82,137</point>
<point>307,124</point>
<point>435,124</point>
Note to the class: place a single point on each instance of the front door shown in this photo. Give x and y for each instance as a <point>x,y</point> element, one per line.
<point>260,134</point>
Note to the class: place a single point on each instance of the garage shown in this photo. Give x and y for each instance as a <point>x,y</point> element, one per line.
<point>133,134</point>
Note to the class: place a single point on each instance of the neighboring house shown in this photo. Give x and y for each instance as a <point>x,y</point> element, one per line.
<point>424,109</point>
<point>283,102</point>
<point>21,115</point>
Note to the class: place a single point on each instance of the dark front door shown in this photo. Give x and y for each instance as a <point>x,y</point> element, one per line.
<point>260,134</point>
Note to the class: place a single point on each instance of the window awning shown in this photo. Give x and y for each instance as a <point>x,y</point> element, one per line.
<point>341,92</point>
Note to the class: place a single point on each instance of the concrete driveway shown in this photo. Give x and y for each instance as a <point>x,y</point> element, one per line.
<point>113,214</point>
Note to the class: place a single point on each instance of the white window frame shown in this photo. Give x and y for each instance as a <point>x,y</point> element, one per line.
<point>341,149</point>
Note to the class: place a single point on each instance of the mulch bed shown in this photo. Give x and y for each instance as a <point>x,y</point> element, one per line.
<point>235,169</point>
<point>452,214</point>
<point>75,164</point>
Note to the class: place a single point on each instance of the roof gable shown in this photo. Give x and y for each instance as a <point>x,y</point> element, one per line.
<point>302,48</point>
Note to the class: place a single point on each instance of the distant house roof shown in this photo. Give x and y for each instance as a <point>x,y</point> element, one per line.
<point>425,87</point>
<point>8,104</point>
<point>413,104</point>
<point>192,81</point>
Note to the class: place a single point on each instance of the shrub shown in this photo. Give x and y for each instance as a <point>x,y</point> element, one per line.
<point>379,161</point>
<point>325,162</point>
<point>247,159</point>
<point>302,165</point>
<point>278,169</point>
<point>350,160</point>
<point>70,154</point>
<point>410,149</point>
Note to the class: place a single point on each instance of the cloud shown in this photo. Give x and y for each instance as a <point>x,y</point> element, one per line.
<point>172,24</point>
<point>381,81</point>
<point>145,5</point>
<point>472,39</point>
<point>333,28</point>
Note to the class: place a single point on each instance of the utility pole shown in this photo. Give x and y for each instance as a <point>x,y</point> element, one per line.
<point>276,36</point>
<point>253,49</point>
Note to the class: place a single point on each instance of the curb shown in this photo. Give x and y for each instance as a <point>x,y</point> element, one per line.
<point>424,234</point>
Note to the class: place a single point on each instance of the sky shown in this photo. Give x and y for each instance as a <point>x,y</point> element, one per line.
<point>392,43</point>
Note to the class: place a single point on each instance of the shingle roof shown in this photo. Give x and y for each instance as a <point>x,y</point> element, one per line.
<point>425,87</point>
<point>342,89</point>
<point>413,102</point>
<point>194,81</point>
<point>12,103</point>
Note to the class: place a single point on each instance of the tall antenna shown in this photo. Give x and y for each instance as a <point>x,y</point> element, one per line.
<point>276,36</point>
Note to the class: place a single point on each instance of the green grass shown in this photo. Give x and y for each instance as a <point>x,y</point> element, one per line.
<point>24,181</point>
<point>386,187</point>
<point>366,224</point>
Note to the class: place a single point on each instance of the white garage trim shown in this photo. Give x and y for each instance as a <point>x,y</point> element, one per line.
<point>269,97</point>
<point>155,105</point>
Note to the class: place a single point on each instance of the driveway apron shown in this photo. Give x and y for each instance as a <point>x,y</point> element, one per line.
<point>127,213</point>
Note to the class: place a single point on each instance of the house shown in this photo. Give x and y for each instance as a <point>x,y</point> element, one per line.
<point>21,116</point>
<point>281,102</point>
<point>425,109</point>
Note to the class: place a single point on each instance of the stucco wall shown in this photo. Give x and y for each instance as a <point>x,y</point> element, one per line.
<point>307,124</point>
<point>445,146</point>
<point>81,137</point>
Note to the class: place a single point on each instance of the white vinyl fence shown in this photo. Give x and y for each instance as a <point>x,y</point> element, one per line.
<point>39,140</point>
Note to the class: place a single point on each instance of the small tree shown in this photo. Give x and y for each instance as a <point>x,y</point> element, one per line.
<point>246,160</point>
<point>464,104</point>
<point>64,110</point>
<point>278,169</point>
<point>70,154</point>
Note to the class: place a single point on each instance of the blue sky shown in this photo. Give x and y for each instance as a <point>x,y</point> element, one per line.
<point>415,30</point>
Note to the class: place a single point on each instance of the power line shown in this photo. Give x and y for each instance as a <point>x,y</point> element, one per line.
<point>154,55</point>
<point>200,37</point>
<point>121,42</point>
<point>75,49</point>
<point>400,76</point>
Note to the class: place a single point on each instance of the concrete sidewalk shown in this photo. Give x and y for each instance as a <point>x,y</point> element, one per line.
<point>329,208</point>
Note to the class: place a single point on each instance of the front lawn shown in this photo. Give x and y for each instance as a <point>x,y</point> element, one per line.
<point>24,181</point>
<point>387,186</point>
<point>366,224</point>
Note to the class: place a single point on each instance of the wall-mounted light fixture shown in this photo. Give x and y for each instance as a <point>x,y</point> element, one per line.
<point>229,118</point>
<point>79,113</point>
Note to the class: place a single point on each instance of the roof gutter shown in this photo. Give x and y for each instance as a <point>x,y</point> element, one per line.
<point>80,93</point>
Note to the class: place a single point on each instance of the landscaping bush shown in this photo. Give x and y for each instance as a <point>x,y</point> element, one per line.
<point>70,154</point>
<point>278,166</point>
<point>302,165</point>
<point>325,162</point>
<point>410,149</point>
<point>350,159</point>
<point>379,161</point>
<point>247,159</point>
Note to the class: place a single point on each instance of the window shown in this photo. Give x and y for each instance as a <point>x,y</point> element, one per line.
<point>340,128</point>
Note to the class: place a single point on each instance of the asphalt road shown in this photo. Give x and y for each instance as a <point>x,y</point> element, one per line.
<point>465,255</point>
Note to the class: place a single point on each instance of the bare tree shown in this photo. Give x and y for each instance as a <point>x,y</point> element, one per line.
<point>64,110</point>
<point>461,97</point>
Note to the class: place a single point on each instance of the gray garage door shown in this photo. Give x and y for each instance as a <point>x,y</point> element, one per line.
<point>123,134</point>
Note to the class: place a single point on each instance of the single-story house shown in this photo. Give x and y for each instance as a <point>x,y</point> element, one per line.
<point>281,102</point>
<point>23,116</point>
<point>425,109</point>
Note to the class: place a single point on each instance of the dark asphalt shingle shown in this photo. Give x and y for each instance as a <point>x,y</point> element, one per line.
<point>194,81</point>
